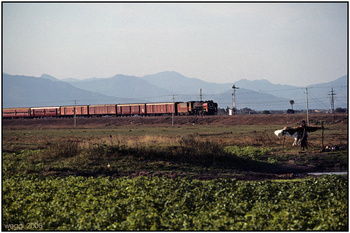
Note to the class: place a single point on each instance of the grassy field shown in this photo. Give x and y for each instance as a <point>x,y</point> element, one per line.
<point>154,155</point>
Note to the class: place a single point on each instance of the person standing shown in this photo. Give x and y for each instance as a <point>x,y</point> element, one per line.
<point>302,135</point>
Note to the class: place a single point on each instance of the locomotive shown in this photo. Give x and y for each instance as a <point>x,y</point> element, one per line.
<point>145,109</point>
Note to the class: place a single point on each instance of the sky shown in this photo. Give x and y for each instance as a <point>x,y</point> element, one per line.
<point>286,43</point>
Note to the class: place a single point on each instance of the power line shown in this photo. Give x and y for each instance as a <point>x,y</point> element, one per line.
<point>316,100</point>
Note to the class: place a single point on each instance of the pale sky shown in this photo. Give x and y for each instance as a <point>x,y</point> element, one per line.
<point>286,43</point>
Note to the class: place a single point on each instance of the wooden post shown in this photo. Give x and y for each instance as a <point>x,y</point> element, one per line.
<point>307,108</point>
<point>75,113</point>
<point>322,134</point>
<point>172,115</point>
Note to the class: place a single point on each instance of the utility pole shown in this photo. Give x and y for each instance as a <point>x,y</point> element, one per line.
<point>307,108</point>
<point>234,99</point>
<point>172,118</point>
<point>200,95</point>
<point>332,100</point>
<point>322,133</point>
<point>75,113</point>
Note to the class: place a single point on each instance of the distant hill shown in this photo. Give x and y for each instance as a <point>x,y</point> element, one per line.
<point>26,91</point>
<point>122,86</point>
<point>179,84</point>
<point>246,98</point>
<point>265,86</point>
<point>318,94</point>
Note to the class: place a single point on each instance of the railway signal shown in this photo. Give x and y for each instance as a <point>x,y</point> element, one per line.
<point>234,99</point>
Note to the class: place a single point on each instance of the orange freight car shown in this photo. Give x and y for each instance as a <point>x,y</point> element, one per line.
<point>131,109</point>
<point>160,108</point>
<point>15,112</point>
<point>102,110</point>
<point>79,110</point>
<point>45,112</point>
<point>182,108</point>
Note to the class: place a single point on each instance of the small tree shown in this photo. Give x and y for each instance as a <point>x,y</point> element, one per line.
<point>340,110</point>
<point>291,103</point>
<point>247,111</point>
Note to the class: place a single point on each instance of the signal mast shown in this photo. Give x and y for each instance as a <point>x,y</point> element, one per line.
<point>234,99</point>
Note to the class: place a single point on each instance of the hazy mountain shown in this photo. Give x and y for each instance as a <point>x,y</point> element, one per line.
<point>122,86</point>
<point>46,76</point>
<point>70,80</point>
<point>265,86</point>
<point>257,95</point>
<point>250,99</point>
<point>318,94</point>
<point>179,84</point>
<point>26,91</point>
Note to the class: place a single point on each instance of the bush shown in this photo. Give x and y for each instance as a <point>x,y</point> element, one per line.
<point>63,149</point>
<point>248,152</point>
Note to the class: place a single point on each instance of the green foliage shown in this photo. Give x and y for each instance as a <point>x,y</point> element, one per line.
<point>160,203</point>
<point>26,161</point>
<point>248,152</point>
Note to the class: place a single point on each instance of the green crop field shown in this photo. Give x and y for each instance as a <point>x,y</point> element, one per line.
<point>160,203</point>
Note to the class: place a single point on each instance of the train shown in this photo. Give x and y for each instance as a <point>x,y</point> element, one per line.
<point>144,109</point>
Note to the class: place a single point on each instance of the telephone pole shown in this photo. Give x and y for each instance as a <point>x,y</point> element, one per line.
<point>75,113</point>
<point>332,100</point>
<point>307,108</point>
<point>200,95</point>
<point>234,99</point>
<point>172,115</point>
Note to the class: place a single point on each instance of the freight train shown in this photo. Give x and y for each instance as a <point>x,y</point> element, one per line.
<point>145,109</point>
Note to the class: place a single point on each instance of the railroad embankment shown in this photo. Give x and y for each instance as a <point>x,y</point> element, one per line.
<point>269,119</point>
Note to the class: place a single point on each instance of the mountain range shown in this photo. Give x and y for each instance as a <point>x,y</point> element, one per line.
<point>28,91</point>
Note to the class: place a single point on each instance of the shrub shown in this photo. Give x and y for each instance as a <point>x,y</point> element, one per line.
<point>63,149</point>
<point>247,152</point>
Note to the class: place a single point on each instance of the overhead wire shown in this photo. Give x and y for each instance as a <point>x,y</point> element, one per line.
<point>316,100</point>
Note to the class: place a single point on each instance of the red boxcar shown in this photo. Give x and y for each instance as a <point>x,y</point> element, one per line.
<point>101,110</point>
<point>160,108</point>
<point>45,112</point>
<point>69,110</point>
<point>15,112</point>
<point>131,109</point>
